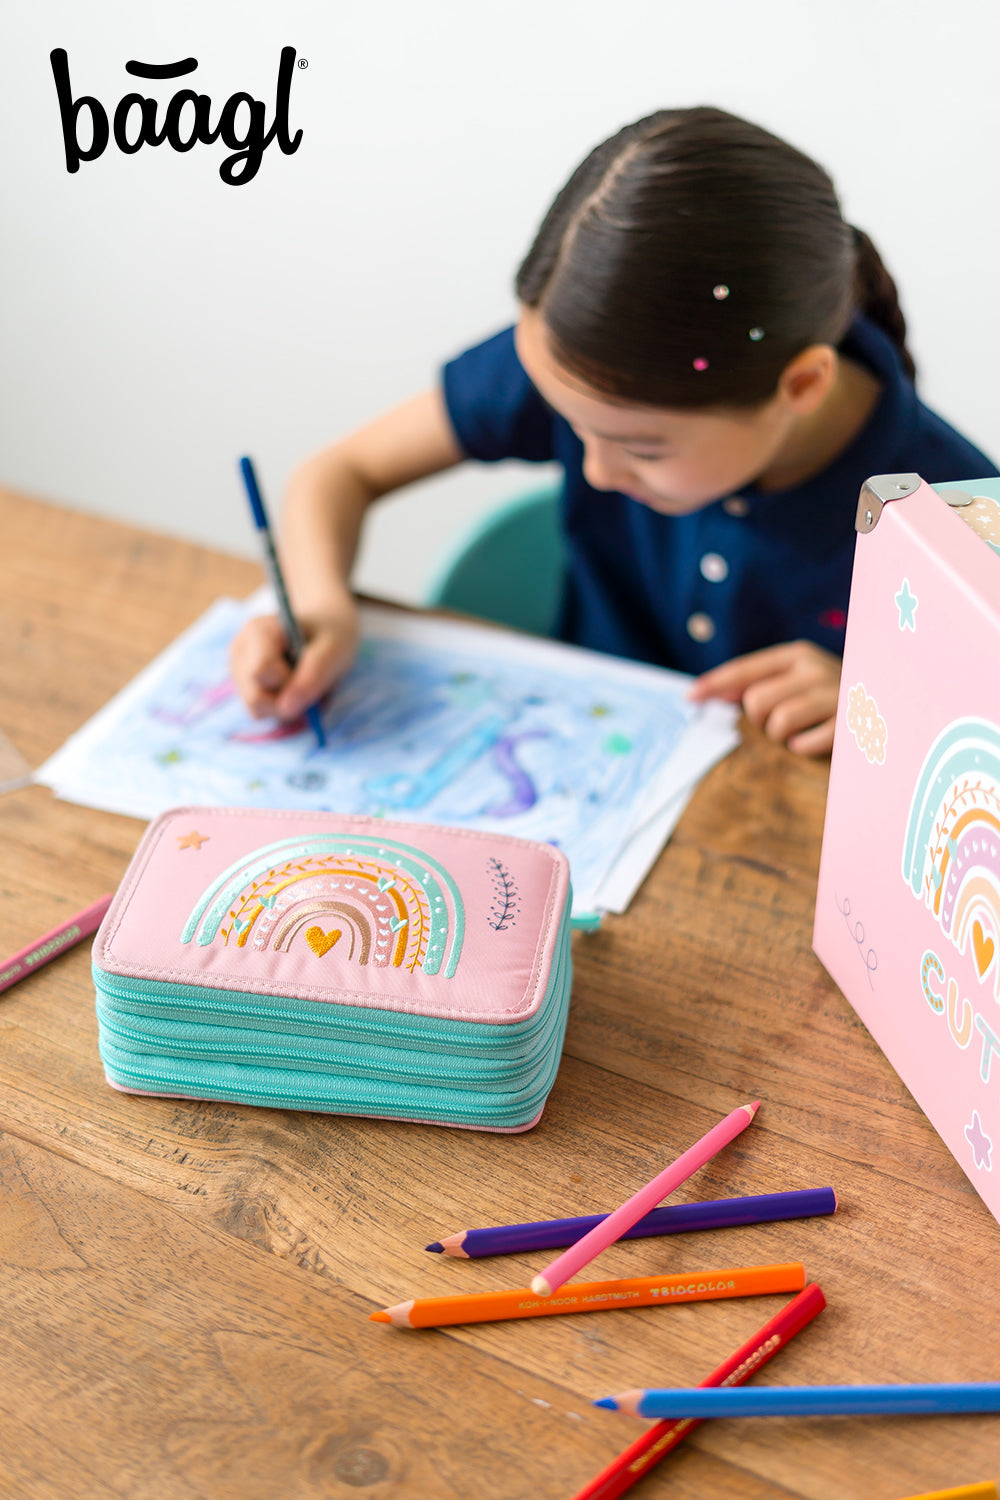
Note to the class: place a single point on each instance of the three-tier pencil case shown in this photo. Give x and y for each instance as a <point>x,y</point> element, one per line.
<point>344,964</point>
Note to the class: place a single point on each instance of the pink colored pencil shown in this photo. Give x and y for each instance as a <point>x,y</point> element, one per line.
<point>51,944</point>
<point>615,1225</point>
<point>664,1436</point>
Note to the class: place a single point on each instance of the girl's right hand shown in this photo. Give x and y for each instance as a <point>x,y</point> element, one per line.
<point>327,499</point>
<point>269,686</point>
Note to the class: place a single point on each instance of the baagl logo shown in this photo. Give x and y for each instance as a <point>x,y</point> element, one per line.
<point>187,119</point>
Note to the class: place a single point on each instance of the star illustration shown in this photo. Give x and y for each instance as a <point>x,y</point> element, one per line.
<point>906,603</point>
<point>979,1141</point>
<point>191,840</point>
<point>170,758</point>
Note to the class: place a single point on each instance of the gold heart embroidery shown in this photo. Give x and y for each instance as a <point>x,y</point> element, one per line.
<point>319,941</point>
<point>983,947</point>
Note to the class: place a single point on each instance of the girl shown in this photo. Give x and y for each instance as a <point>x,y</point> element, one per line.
<point>718,361</point>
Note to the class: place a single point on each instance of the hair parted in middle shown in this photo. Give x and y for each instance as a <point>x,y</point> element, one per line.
<point>690,257</point>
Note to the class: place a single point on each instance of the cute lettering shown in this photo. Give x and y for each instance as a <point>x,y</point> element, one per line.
<point>942,995</point>
<point>991,1044</point>
<point>185,120</point>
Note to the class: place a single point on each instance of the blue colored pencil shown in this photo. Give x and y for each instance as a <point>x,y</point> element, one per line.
<point>678,1218</point>
<point>807,1401</point>
<point>296,640</point>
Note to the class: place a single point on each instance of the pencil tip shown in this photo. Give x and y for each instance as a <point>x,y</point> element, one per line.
<point>540,1287</point>
<point>437,1247</point>
<point>379,1317</point>
<point>753,1108</point>
<point>607,1401</point>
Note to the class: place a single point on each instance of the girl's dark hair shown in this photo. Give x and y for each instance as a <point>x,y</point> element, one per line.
<point>691,256</point>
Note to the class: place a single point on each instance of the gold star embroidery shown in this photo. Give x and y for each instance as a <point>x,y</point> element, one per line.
<point>191,840</point>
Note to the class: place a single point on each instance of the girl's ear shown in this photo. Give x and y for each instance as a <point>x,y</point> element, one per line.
<point>808,379</point>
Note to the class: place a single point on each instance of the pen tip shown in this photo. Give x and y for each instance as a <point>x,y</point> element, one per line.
<point>608,1402</point>
<point>379,1317</point>
<point>437,1247</point>
<point>540,1287</point>
<point>316,723</point>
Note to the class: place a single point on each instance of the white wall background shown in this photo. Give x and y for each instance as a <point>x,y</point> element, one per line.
<point>155,323</point>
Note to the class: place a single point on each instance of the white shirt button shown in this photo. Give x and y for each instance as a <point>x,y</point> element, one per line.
<point>736,506</point>
<point>714,567</point>
<point>700,627</point>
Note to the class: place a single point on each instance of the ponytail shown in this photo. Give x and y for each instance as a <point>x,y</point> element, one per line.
<point>876,296</point>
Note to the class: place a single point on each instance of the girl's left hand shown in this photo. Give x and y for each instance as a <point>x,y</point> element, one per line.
<point>789,691</point>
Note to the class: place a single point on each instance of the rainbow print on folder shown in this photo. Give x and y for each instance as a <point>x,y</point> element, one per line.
<point>359,899</point>
<point>951,851</point>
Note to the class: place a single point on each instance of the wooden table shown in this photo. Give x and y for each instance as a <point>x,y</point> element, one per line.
<point>186,1285</point>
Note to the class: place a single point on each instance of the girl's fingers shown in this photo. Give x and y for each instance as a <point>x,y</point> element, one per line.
<point>762,698</point>
<point>268,684</point>
<point>259,666</point>
<point>800,712</point>
<point>789,691</point>
<point>324,660</point>
<point>731,680</point>
<point>815,741</point>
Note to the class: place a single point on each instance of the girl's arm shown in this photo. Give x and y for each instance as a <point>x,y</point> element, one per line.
<point>789,691</point>
<point>321,525</point>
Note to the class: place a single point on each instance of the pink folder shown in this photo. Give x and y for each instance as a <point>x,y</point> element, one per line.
<point>908,903</point>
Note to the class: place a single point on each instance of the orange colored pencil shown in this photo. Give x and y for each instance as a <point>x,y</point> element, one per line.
<point>985,1491</point>
<point>595,1296</point>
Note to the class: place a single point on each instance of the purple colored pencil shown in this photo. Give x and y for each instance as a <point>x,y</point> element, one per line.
<point>677,1218</point>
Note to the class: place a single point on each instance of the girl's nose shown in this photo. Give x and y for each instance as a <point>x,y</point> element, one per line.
<point>603,468</point>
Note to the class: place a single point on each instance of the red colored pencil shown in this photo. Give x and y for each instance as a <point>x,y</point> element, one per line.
<point>663,1437</point>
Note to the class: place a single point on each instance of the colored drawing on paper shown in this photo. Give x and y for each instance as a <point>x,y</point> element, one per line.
<point>951,853</point>
<point>436,723</point>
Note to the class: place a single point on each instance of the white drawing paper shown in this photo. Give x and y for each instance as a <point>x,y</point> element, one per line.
<point>439,721</point>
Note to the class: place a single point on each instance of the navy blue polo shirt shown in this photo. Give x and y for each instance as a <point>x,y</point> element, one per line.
<point>747,571</point>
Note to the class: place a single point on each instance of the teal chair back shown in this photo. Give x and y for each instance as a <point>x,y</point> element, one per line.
<point>510,567</point>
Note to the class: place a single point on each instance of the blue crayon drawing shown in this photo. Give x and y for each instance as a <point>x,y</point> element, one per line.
<point>437,722</point>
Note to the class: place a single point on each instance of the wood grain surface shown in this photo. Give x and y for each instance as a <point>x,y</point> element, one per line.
<point>186,1285</point>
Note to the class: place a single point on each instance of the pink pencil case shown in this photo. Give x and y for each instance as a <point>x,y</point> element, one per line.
<point>345,964</point>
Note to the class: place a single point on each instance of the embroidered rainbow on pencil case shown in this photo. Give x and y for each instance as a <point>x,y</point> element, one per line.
<point>951,853</point>
<point>349,898</point>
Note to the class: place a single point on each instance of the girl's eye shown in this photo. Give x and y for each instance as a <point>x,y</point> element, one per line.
<point>644,457</point>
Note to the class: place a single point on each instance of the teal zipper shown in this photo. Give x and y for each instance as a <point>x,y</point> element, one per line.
<point>215,1043</point>
<point>285,1089</point>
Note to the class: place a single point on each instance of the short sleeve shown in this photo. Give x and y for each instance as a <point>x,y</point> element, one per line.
<point>493,407</point>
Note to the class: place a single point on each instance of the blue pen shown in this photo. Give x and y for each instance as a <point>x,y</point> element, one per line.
<point>296,640</point>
